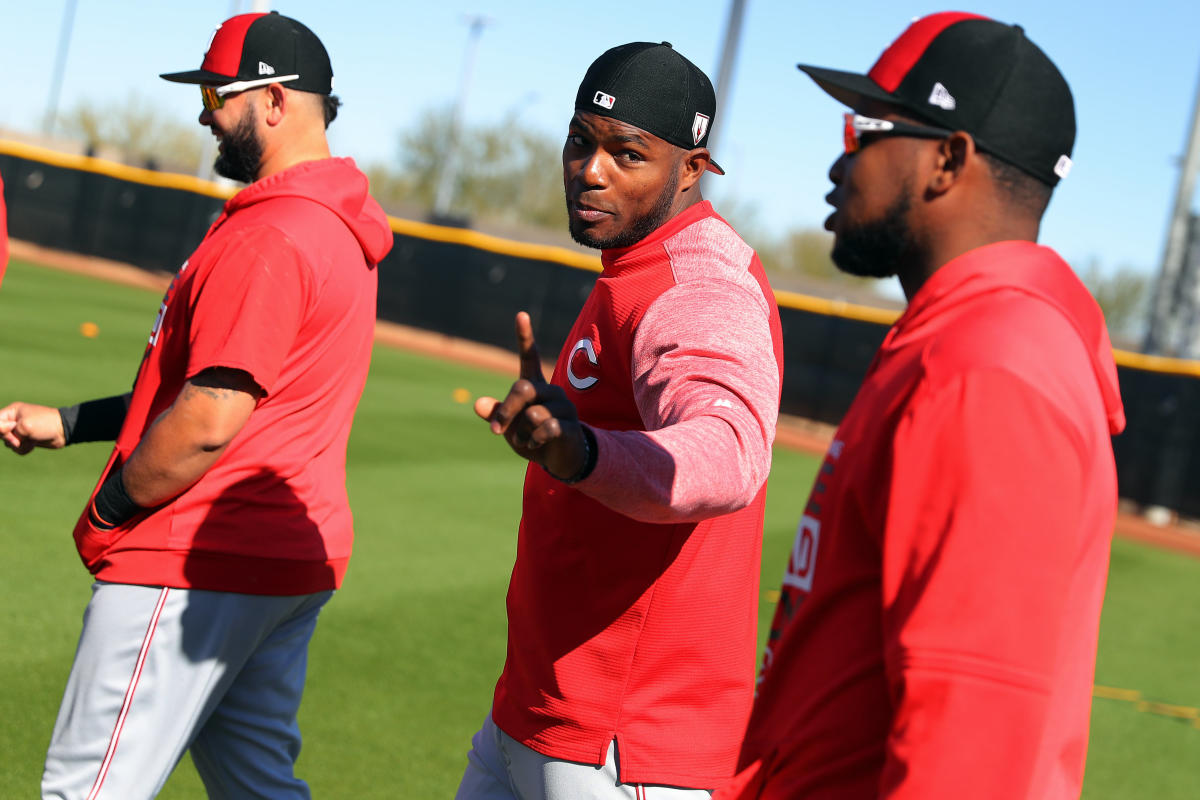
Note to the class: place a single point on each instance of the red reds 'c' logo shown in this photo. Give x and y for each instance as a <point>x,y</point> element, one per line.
<point>581,361</point>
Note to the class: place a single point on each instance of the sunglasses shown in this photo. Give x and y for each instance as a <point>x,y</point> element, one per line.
<point>856,125</point>
<point>214,96</point>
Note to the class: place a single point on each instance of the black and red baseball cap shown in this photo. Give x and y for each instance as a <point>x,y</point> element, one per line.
<point>262,48</point>
<point>970,73</point>
<point>652,87</point>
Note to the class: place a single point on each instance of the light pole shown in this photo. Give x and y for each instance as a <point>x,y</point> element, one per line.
<point>60,64</point>
<point>443,199</point>
<point>724,87</point>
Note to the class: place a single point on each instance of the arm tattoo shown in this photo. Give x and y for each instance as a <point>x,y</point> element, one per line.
<point>223,383</point>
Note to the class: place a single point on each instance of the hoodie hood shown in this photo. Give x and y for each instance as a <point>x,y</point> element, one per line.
<point>335,183</point>
<point>1037,271</point>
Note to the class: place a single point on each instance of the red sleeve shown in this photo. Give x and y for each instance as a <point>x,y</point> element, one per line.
<point>978,548</point>
<point>248,309</point>
<point>706,383</point>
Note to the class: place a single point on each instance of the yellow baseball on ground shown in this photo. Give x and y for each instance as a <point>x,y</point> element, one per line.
<point>461,395</point>
<point>90,329</point>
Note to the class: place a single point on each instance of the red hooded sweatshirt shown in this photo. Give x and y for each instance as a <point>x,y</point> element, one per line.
<point>283,287</point>
<point>936,632</point>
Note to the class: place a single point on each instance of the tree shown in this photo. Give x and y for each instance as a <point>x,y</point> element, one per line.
<point>797,255</point>
<point>136,128</point>
<point>1122,295</point>
<point>508,172</point>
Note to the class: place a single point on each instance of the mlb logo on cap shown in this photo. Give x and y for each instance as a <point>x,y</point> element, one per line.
<point>604,100</point>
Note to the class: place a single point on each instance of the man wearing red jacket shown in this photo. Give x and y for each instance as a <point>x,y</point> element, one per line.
<point>936,631</point>
<point>633,603</point>
<point>220,525</point>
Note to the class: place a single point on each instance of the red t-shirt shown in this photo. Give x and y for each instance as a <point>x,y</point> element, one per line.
<point>633,603</point>
<point>936,633</point>
<point>282,287</point>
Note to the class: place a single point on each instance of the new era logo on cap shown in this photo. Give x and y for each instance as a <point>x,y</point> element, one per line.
<point>1008,95</point>
<point>604,100</point>
<point>941,98</point>
<point>265,69</point>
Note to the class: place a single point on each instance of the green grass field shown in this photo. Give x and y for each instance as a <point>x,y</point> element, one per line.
<point>405,658</point>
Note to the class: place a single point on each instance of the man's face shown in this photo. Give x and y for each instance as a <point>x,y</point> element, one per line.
<point>621,182</point>
<point>235,126</point>
<point>872,203</point>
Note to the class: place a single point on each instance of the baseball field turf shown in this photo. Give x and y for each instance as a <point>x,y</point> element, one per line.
<point>405,657</point>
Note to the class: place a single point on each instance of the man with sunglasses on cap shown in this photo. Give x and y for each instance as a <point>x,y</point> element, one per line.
<point>936,631</point>
<point>633,602</point>
<point>220,525</point>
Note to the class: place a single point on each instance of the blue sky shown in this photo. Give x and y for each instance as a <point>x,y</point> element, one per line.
<point>1132,67</point>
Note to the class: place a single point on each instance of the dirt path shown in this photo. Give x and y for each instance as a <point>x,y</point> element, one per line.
<point>794,433</point>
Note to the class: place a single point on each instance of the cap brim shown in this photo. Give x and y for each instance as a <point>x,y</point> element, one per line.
<point>848,88</point>
<point>197,76</point>
<point>714,167</point>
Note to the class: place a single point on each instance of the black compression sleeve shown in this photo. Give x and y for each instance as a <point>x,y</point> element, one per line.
<point>95,420</point>
<point>113,506</point>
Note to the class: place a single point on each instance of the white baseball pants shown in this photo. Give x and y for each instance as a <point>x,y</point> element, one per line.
<point>501,768</point>
<point>160,671</point>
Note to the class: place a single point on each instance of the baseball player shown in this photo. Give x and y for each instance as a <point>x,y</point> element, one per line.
<point>632,606</point>
<point>220,524</point>
<point>936,631</point>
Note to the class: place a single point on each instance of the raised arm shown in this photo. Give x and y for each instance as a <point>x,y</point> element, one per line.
<point>707,382</point>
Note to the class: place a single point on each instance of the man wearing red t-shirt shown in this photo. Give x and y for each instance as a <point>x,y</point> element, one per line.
<point>633,603</point>
<point>936,631</point>
<point>220,525</point>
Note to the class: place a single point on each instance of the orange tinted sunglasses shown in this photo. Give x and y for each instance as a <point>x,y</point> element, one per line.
<point>213,97</point>
<point>855,125</point>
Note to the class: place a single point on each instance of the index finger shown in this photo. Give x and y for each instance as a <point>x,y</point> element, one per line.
<point>531,362</point>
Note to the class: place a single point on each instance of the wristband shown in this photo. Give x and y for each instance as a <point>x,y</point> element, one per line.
<point>590,453</point>
<point>93,421</point>
<point>112,505</point>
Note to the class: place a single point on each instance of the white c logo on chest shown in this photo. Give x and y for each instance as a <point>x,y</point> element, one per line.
<point>589,352</point>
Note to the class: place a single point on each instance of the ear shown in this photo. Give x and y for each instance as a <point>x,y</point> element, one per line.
<point>275,102</point>
<point>955,154</point>
<point>692,167</point>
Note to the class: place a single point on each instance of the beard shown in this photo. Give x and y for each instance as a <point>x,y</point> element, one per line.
<point>635,231</point>
<point>878,249</point>
<point>241,151</point>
